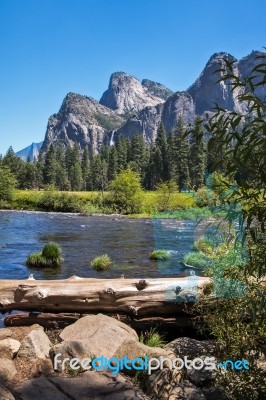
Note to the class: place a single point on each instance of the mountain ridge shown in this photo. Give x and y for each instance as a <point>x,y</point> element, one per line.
<point>131,106</point>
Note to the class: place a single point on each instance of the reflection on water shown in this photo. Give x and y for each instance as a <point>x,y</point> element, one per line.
<point>127,242</point>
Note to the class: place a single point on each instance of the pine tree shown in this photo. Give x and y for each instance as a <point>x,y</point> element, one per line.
<point>62,181</point>
<point>172,156</point>
<point>161,156</point>
<point>112,164</point>
<point>50,166</point>
<point>85,167</point>
<point>138,154</point>
<point>182,145</point>
<point>197,159</point>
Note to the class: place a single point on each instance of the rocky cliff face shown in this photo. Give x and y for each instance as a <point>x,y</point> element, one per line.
<point>126,95</point>
<point>207,91</point>
<point>147,121</point>
<point>83,120</point>
<point>245,66</point>
<point>129,106</point>
<point>157,89</point>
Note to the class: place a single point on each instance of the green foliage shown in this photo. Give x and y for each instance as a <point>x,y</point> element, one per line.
<point>50,257</point>
<point>109,122</point>
<point>152,338</point>
<point>197,260</point>
<point>197,156</point>
<point>51,251</point>
<point>165,192</point>
<point>235,311</point>
<point>52,200</point>
<point>160,255</point>
<point>126,195</point>
<point>7,184</point>
<point>101,263</point>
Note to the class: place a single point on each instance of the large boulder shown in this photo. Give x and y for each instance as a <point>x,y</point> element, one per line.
<point>99,334</point>
<point>9,347</point>
<point>161,383</point>
<point>191,348</point>
<point>36,345</point>
<point>7,370</point>
<point>133,349</point>
<point>89,385</point>
<point>186,391</point>
<point>5,394</point>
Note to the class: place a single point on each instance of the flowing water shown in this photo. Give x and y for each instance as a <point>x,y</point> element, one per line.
<point>128,242</point>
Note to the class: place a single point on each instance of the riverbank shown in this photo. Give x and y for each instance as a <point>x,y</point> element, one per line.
<point>179,206</point>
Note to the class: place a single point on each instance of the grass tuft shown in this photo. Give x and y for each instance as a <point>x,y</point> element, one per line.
<point>49,257</point>
<point>160,255</point>
<point>101,263</point>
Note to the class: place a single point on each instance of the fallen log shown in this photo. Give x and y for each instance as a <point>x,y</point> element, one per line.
<point>134,297</point>
<point>61,320</point>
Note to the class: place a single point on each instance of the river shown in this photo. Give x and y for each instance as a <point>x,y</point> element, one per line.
<point>128,242</point>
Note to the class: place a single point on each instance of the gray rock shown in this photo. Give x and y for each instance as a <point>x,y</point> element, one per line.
<point>186,391</point>
<point>5,394</point>
<point>81,120</point>
<point>7,370</point>
<point>89,385</point>
<point>215,393</point>
<point>145,123</point>
<point>9,347</point>
<point>161,383</point>
<point>157,89</point>
<point>126,94</point>
<point>36,345</point>
<point>201,377</point>
<point>70,349</point>
<point>100,335</point>
<point>191,348</point>
<point>207,92</point>
<point>5,333</point>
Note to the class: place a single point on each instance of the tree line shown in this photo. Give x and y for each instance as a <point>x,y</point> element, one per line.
<point>179,155</point>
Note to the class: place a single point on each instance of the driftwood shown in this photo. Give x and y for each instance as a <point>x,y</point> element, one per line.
<point>126,296</point>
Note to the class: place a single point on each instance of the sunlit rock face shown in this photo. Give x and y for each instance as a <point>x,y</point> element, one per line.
<point>129,106</point>
<point>126,94</point>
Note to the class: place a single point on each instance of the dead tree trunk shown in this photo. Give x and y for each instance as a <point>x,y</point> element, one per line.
<point>128,296</point>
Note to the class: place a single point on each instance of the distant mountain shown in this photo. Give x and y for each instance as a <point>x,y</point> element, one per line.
<point>31,152</point>
<point>129,106</point>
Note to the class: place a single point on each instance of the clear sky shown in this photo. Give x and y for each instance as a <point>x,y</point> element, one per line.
<point>51,47</point>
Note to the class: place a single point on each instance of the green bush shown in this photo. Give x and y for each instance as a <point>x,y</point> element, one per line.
<point>7,184</point>
<point>52,200</point>
<point>49,257</point>
<point>101,263</point>
<point>161,255</point>
<point>152,338</point>
<point>126,195</point>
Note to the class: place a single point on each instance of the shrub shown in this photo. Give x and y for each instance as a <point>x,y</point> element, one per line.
<point>101,263</point>
<point>49,257</point>
<point>7,184</point>
<point>161,255</point>
<point>152,338</point>
<point>126,194</point>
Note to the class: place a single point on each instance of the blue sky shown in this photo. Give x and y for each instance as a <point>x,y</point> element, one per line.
<point>51,47</point>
